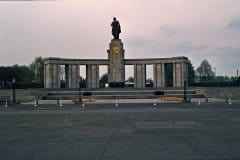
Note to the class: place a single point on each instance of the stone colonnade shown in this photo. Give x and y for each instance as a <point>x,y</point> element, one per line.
<point>179,70</point>
<point>179,74</point>
<point>72,70</point>
<point>52,75</point>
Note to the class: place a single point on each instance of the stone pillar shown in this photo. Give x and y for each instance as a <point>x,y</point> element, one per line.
<point>139,75</point>
<point>56,75</point>
<point>52,75</point>
<point>92,76</point>
<point>48,76</point>
<point>174,75</point>
<point>72,75</point>
<point>184,73</point>
<point>159,75</point>
<point>67,78</point>
<point>116,68</point>
<point>163,75</point>
<point>178,76</point>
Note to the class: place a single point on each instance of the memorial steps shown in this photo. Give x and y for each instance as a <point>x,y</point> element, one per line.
<point>120,93</point>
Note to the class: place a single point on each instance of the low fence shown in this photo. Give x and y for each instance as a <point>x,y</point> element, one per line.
<point>216,84</point>
<point>22,95</point>
<point>219,92</point>
<point>20,85</point>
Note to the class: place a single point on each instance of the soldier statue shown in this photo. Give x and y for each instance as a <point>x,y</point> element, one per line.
<point>116,28</point>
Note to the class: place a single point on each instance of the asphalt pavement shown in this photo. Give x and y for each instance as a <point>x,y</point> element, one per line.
<point>134,131</point>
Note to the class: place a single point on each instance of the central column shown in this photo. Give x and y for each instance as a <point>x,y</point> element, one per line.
<point>139,75</point>
<point>92,76</point>
<point>116,68</point>
<point>159,75</point>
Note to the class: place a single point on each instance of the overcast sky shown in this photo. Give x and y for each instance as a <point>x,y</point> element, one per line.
<point>150,29</point>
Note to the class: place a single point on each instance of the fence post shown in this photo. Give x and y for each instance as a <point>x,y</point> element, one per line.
<point>6,104</point>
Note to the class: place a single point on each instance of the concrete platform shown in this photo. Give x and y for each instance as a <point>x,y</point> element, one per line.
<point>121,93</point>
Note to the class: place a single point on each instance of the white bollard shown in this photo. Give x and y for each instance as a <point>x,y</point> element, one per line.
<point>35,103</point>
<point>60,103</point>
<point>83,104</point>
<point>116,102</point>
<point>6,104</point>
<point>199,102</point>
<point>230,101</point>
<point>154,102</point>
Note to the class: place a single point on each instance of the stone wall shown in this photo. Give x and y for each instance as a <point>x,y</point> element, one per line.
<point>24,94</point>
<point>218,92</point>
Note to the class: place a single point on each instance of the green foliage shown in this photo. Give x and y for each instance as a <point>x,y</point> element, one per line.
<point>169,75</point>
<point>22,73</point>
<point>37,67</point>
<point>103,80</point>
<point>191,73</point>
<point>6,73</point>
<point>204,72</point>
<point>83,82</point>
<point>130,79</point>
<point>221,79</point>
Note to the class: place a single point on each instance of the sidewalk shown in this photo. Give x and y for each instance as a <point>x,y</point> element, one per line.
<point>113,101</point>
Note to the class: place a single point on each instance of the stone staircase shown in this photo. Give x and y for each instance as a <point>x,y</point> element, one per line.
<point>120,93</point>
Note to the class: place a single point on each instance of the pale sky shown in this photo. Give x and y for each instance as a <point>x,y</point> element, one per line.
<point>150,29</point>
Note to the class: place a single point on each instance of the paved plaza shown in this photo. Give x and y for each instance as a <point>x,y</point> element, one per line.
<point>136,131</point>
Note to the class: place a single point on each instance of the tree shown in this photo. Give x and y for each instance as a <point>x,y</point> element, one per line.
<point>83,82</point>
<point>37,67</point>
<point>129,82</point>
<point>191,72</point>
<point>130,79</point>
<point>204,72</point>
<point>149,83</point>
<point>103,80</point>
<point>221,79</point>
<point>6,76</point>
<point>22,73</point>
<point>6,73</point>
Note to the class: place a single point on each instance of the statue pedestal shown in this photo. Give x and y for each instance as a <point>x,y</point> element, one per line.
<point>116,68</point>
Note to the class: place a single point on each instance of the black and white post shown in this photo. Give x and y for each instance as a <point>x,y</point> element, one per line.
<point>79,91</point>
<point>14,90</point>
<point>185,90</point>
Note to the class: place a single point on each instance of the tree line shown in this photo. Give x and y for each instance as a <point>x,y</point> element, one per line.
<point>24,75</point>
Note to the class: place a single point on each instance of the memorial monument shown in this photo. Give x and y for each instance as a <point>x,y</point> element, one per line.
<point>116,68</point>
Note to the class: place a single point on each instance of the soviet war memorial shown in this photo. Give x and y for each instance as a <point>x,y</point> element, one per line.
<point>154,82</point>
<point>116,68</point>
<point>115,63</point>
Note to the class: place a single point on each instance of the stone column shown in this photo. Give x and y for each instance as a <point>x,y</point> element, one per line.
<point>184,73</point>
<point>174,75</point>
<point>52,76</point>
<point>48,75</point>
<point>75,75</point>
<point>178,78</point>
<point>67,78</point>
<point>159,75</point>
<point>72,75</point>
<point>55,76</point>
<point>163,75</point>
<point>92,76</point>
<point>139,75</point>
